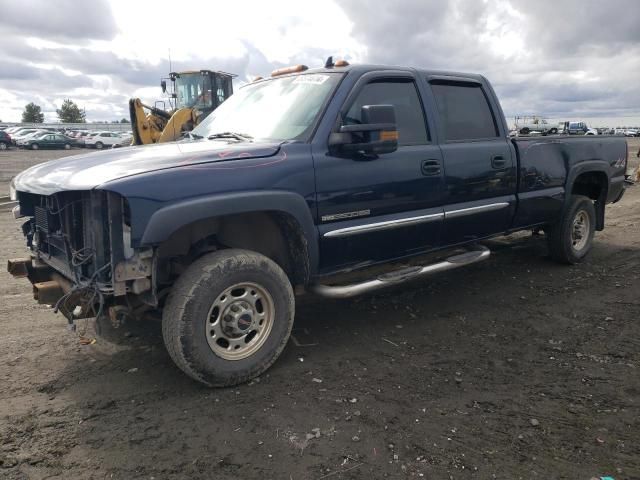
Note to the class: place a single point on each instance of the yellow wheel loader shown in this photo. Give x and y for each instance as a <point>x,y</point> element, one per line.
<point>193,96</point>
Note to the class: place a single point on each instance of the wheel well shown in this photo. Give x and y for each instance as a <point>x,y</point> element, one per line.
<point>590,184</point>
<point>594,186</point>
<point>276,235</point>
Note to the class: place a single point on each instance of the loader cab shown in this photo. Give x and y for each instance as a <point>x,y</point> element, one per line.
<point>202,90</point>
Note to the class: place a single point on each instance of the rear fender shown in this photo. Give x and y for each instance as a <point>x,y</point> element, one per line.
<point>597,166</point>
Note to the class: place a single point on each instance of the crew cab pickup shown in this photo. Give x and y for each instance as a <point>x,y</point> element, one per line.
<point>294,181</point>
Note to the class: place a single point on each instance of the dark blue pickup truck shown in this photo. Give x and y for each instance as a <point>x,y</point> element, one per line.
<point>294,181</point>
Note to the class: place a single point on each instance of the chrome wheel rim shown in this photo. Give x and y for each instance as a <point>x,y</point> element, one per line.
<point>239,321</point>
<point>580,230</point>
<point>3,146</point>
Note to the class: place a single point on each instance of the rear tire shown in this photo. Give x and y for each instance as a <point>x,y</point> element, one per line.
<point>525,131</point>
<point>3,146</point>
<point>570,239</point>
<point>67,146</point>
<point>228,317</point>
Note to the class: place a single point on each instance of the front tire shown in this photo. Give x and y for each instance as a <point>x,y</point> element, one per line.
<point>35,146</point>
<point>570,239</point>
<point>67,146</point>
<point>228,317</point>
<point>3,146</point>
<point>99,145</point>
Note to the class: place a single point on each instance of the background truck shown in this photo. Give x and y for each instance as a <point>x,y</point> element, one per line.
<point>301,182</point>
<point>525,124</point>
<point>577,128</point>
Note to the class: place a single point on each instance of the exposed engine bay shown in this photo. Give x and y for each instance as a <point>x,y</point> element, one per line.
<point>82,262</point>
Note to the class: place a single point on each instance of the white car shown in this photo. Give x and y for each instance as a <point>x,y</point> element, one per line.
<point>124,141</point>
<point>100,140</point>
<point>21,134</point>
<point>22,140</point>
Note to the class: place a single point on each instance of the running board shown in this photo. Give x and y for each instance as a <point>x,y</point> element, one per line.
<point>477,254</point>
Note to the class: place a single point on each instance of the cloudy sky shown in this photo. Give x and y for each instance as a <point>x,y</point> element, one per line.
<point>568,59</point>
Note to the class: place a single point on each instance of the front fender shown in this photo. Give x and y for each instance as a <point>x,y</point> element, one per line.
<point>171,218</point>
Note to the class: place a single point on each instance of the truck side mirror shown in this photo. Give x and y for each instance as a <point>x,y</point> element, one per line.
<point>163,85</point>
<point>376,134</point>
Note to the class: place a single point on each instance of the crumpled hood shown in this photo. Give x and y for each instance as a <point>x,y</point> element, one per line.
<point>89,170</point>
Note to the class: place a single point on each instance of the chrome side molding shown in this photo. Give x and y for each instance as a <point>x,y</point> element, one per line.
<point>405,222</point>
<point>374,227</point>
<point>471,210</point>
<point>478,253</point>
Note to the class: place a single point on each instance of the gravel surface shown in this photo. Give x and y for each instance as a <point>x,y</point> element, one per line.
<point>514,368</point>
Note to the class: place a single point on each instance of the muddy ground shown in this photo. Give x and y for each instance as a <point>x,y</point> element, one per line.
<point>512,368</point>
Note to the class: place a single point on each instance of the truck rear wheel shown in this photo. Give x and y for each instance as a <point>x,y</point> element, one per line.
<point>572,237</point>
<point>228,317</point>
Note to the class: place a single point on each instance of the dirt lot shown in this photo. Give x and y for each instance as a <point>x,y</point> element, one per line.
<point>512,368</point>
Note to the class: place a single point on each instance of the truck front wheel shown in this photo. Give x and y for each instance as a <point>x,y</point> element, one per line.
<point>228,317</point>
<point>572,237</point>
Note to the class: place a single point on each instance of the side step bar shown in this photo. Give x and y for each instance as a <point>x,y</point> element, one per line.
<point>478,253</point>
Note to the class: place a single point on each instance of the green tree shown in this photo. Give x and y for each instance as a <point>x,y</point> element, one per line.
<point>32,114</point>
<point>70,113</point>
<point>125,120</point>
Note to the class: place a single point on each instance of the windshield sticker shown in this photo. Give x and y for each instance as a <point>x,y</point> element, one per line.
<point>315,79</point>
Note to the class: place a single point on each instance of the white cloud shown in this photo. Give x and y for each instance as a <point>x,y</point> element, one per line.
<point>569,59</point>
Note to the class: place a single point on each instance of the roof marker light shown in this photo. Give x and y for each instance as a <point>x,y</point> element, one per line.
<point>286,70</point>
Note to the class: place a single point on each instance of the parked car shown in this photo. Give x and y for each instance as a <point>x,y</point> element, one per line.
<point>20,134</point>
<point>81,136</point>
<point>360,166</point>
<point>21,140</point>
<point>631,132</point>
<point>12,130</point>
<point>101,139</point>
<point>5,140</point>
<point>123,141</point>
<point>50,140</point>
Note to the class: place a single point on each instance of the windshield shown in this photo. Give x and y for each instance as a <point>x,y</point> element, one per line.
<point>283,108</point>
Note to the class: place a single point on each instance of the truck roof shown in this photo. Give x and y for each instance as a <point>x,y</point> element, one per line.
<point>364,68</point>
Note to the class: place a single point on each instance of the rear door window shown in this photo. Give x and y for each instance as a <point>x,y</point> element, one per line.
<point>464,111</point>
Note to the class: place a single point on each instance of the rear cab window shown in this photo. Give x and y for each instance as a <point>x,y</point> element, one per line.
<point>464,111</point>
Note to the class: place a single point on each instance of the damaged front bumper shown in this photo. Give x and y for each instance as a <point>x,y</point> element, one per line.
<point>82,261</point>
<point>49,286</point>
